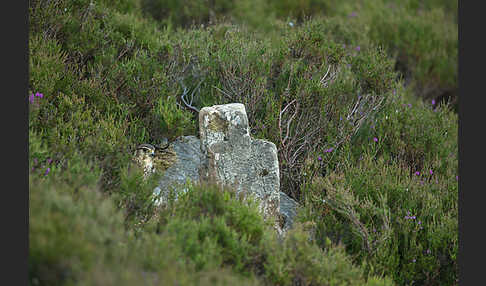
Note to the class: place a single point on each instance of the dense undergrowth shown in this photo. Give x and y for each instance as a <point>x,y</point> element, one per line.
<point>359,98</point>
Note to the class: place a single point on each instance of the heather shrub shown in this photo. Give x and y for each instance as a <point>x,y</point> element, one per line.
<point>393,200</point>
<point>134,195</point>
<point>299,9</point>
<point>424,43</point>
<point>65,233</point>
<point>79,237</point>
<point>96,99</point>
<point>421,36</point>
<point>186,13</point>
<point>301,262</point>
<point>214,230</point>
<point>326,91</point>
<point>221,227</point>
<point>391,223</point>
<point>215,227</point>
<point>172,120</point>
<point>420,135</point>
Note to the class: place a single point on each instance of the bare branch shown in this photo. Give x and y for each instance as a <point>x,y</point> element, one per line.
<point>183,97</point>
<point>325,76</point>
<point>223,92</point>
<point>289,122</point>
<point>354,108</point>
<point>288,125</point>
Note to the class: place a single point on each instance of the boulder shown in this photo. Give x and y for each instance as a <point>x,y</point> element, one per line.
<point>288,210</point>
<point>226,154</point>
<point>185,165</point>
<point>233,158</point>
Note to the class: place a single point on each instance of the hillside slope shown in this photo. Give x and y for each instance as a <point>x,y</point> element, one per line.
<point>372,161</point>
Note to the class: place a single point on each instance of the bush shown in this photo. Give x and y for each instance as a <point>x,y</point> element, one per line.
<point>383,204</point>
<point>67,235</point>
<point>302,263</point>
<point>215,228</point>
<point>186,13</point>
<point>77,237</point>
<point>422,37</point>
<point>425,45</point>
<point>82,240</point>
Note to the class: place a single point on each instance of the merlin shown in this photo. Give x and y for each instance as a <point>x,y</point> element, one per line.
<point>154,158</point>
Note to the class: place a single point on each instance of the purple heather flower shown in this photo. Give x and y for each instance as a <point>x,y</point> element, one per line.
<point>419,222</point>
<point>428,251</point>
<point>409,105</point>
<point>431,172</point>
<point>417,173</point>
<point>433,101</point>
<point>47,171</point>
<point>35,160</point>
<point>31,98</point>
<point>49,161</point>
<point>39,94</point>
<point>328,150</point>
<point>319,158</point>
<point>408,212</point>
<point>340,118</point>
<point>358,48</point>
<point>413,217</point>
<point>414,260</point>
<point>375,139</point>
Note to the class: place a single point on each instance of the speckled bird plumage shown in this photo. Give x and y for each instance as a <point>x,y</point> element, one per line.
<point>154,158</point>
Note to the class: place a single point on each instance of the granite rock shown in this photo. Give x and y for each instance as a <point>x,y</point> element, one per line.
<point>233,158</point>
<point>226,154</point>
<point>185,167</point>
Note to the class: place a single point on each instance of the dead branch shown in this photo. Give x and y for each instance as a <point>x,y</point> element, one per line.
<point>325,76</point>
<point>184,94</point>
<point>288,124</point>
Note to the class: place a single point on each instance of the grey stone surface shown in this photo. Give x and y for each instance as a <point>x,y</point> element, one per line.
<point>186,166</point>
<point>227,154</point>
<point>233,158</point>
<point>288,210</point>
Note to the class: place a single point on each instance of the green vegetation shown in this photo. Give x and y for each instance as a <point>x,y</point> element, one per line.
<point>367,89</point>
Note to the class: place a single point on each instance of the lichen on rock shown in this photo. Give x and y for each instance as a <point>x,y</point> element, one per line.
<point>234,158</point>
